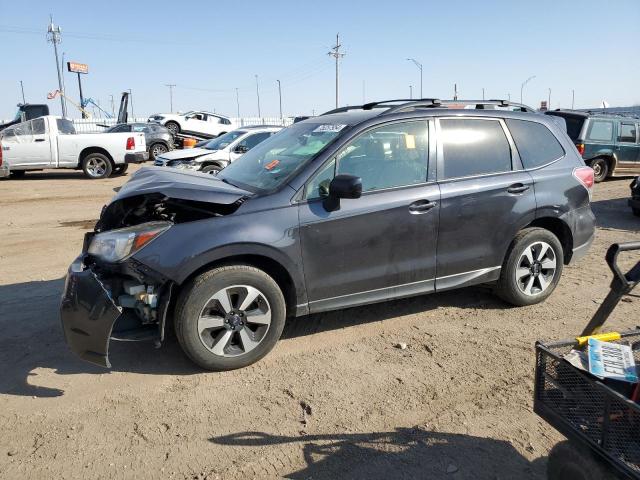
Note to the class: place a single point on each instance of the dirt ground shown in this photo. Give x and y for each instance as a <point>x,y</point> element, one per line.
<point>335,399</point>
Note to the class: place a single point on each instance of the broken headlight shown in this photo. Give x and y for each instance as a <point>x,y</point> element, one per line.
<point>116,245</point>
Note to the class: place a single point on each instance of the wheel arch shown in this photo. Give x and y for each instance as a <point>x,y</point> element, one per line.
<point>89,150</point>
<point>272,267</point>
<point>560,229</point>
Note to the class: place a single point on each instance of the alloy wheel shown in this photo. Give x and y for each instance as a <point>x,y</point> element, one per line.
<point>234,320</point>
<point>96,167</point>
<point>158,150</point>
<point>536,268</point>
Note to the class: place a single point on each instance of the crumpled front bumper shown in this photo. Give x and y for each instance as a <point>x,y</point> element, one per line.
<point>88,314</point>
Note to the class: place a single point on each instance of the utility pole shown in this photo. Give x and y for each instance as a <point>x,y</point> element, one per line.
<point>573,98</point>
<point>170,85</point>
<point>335,53</point>
<point>258,95</point>
<point>455,91</point>
<point>53,36</point>
<point>113,107</point>
<point>237,103</point>
<point>549,101</point>
<point>524,84</point>
<point>22,88</point>
<point>64,85</point>
<point>410,92</point>
<point>509,96</point>
<point>482,93</point>
<point>280,97</point>
<point>419,65</point>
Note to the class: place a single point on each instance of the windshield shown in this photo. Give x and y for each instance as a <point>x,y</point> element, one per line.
<point>272,162</point>
<point>223,141</point>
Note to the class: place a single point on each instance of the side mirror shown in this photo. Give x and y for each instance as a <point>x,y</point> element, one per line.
<point>241,149</point>
<point>342,186</point>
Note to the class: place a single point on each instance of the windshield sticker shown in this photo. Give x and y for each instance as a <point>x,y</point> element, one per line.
<point>328,127</point>
<point>271,165</point>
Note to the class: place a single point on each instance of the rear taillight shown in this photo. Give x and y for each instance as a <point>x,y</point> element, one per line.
<point>580,147</point>
<point>584,176</point>
<point>131,143</point>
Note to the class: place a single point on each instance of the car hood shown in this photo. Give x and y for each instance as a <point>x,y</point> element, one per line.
<point>186,153</point>
<point>180,184</point>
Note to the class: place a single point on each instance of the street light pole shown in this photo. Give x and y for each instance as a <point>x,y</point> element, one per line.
<point>549,101</point>
<point>419,65</point>
<point>280,97</point>
<point>482,93</point>
<point>133,118</point>
<point>523,85</point>
<point>410,92</point>
<point>22,89</point>
<point>258,95</point>
<point>237,104</point>
<point>573,98</point>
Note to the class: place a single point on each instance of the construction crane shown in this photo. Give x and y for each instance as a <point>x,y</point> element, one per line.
<point>55,93</point>
<point>90,101</point>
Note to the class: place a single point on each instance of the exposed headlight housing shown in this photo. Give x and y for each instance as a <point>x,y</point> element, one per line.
<point>187,165</point>
<point>116,245</point>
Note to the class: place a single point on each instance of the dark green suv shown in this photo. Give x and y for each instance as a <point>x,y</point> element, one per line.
<point>608,143</point>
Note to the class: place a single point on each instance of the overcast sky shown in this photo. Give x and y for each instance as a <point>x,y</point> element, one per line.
<point>208,49</point>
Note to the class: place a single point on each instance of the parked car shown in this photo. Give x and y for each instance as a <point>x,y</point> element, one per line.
<point>340,210</point>
<point>634,201</point>
<point>159,139</point>
<point>52,142</point>
<point>608,143</point>
<point>216,154</point>
<point>200,123</point>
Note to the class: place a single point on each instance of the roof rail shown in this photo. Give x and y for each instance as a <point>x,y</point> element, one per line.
<point>407,104</point>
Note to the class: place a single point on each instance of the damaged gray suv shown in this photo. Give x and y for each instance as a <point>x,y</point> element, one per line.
<point>359,205</point>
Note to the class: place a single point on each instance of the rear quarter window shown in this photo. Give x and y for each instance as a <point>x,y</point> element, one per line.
<point>474,147</point>
<point>600,131</point>
<point>536,144</point>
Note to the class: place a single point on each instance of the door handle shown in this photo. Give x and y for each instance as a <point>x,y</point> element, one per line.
<point>39,139</point>
<point>518,188</point>
<point>422,206</point>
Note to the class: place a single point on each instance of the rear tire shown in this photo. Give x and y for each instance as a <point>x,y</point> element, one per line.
<point>156,150</point>
<point>173,127</point>
<point>600,169</point>
<point>97,166</point>
<point>120,169</point>
<point>636,211</point>
<point>567,462</point>
<point>216,340</point>
<point>532,267</point>
<point>17,174</point>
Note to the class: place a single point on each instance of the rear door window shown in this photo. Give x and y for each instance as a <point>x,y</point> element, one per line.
<point>627,133</point>
<point>474,147</point>
<point>536,144</point>
<point>600,131</point>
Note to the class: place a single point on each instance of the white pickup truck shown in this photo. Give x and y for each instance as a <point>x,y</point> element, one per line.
<point>52,142</point>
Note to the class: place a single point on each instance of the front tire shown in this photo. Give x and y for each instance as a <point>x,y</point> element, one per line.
<point>636,211</point>
<point>532,267</point>
<point>600,169</point>
<point>97,166</point>
<point>229,317</point>
<point>173,127</point>
<point>211,169</point>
